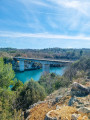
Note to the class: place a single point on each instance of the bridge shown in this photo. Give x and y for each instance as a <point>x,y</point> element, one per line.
<point>45,62</point>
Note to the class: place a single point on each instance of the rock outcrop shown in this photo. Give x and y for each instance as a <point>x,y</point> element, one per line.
<point>84,110</point>
<point>72,106</point>
<point>79,90</point>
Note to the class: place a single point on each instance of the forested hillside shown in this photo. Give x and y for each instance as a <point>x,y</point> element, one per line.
<point>51,53</point>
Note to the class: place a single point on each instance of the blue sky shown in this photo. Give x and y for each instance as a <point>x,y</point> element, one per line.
<point>45,23</point>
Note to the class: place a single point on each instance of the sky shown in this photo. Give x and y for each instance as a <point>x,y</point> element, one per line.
<point>38,24</point>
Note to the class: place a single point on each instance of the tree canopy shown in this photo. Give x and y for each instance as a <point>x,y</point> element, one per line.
<point>6,74</point>
<point>31,93</point>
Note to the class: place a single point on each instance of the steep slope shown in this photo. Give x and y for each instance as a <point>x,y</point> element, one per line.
<point>56,106</point>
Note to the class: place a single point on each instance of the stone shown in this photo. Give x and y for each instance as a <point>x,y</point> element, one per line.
<point>57,99</point>
<point>84,110</point>
<point>79,90</point>
<point>68,93</point>
<point>72,101</point>
<point>48,117</point>
<point>84,118</point>
<point>58,107</point>
<point>75,116</point>
<point>35,104</point>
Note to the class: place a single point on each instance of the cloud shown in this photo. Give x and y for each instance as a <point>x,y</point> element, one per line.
<point>29,2</point>
<point>41,35</point>
<point>79,5</point>
<point>49,16</point>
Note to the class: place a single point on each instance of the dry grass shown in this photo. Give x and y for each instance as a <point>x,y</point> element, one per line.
<point>39,111</point>
<point>65,113</point>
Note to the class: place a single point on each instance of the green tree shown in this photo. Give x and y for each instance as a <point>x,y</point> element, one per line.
<point>7,111</point>
<point>17,85</point>
<point>31,93</point>
<point>81,52</point>
<point>6,74</point>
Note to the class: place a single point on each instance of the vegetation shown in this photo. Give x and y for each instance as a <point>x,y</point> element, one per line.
<point>19,97</point>
<point>6,74</point>
<point>18,85</point>
<point>51,53</point>
<point>80,68</point>
<point>7,97</point>
<point>52,82</point>
<point>7,110</point>
<point>31,93</point>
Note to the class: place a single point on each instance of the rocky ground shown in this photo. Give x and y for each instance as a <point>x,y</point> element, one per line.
<point>71,103</point>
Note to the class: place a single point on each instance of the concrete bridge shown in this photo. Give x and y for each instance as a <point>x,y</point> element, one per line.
<point>45,63</point>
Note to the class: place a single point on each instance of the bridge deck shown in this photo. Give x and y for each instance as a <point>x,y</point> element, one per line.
<point>38,59</point>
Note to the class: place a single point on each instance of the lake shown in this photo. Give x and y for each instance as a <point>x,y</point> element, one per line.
<point>35,74</point>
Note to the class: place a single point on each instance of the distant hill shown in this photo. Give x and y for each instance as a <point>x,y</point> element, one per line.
<point>53,53</point>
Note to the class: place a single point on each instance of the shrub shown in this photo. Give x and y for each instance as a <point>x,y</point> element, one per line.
<point>31,93</point>
<point>47,81</point>
<point>17,85</point>
<point>62,82</point>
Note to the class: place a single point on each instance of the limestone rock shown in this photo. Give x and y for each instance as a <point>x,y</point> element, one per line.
<point>84,110</point>
<point>72,101</point>
<point>84,118</point>
<point>35,104</point>
<point>79,90</point>
<point>58,107</point>
<point>57,99</point>
<point>75,116</point>
<point>48,117</point>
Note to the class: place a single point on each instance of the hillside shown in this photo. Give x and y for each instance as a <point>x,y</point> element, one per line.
<point>51,53</point>
<point>57,106</point>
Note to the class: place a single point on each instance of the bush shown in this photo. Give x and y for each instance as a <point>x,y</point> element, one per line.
<point>62,82</point>
<point>31,93</point>
<point>17,85</point>
<point>47,81</point>
<point>78,69</point>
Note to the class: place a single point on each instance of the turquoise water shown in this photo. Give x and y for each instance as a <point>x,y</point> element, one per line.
<point>35,74</point>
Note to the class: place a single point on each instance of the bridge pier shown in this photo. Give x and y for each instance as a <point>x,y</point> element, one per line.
<point>21,65</point>
<point>46,68</point>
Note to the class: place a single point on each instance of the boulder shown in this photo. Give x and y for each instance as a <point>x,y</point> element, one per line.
<point>84,110</point>
<point>58,98</point>
<point>79,90</point>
